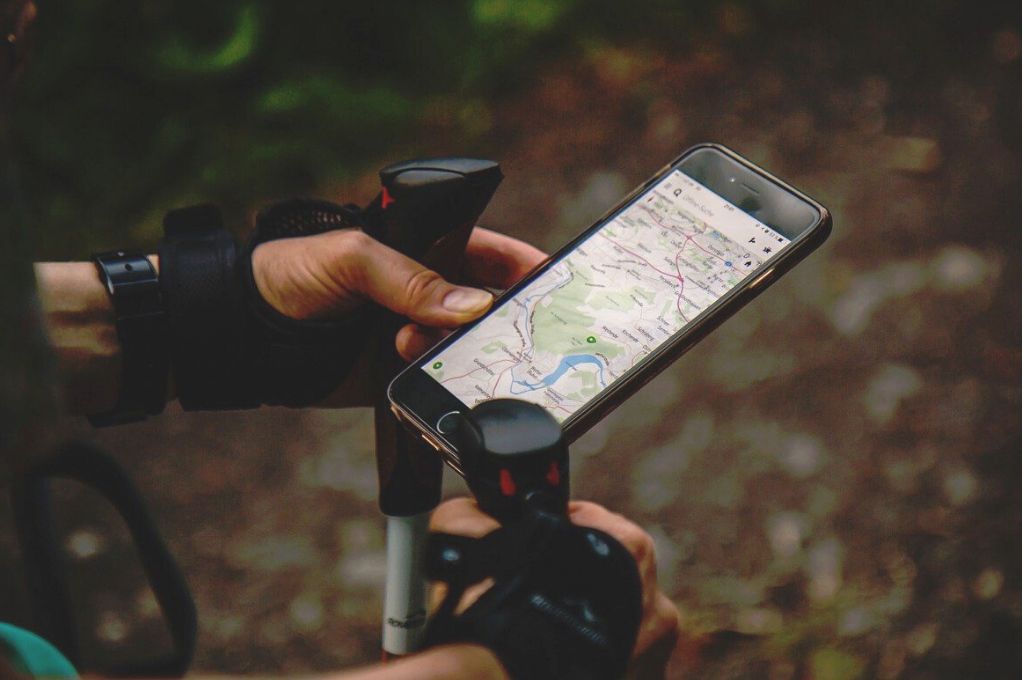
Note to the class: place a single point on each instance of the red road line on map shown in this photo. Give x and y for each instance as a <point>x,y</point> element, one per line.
<point>525,334</point>
<point>689,239</point>
<point>494,390</point>
<point>654,216</point>
<point>456,377</point>
<point>682,284</point>
<point>705,250</point>
<point>619,245</point>
<point>678,277</point>
<point>679,300</point>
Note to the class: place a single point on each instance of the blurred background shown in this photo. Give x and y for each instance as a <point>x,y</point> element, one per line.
<point>835,473</point>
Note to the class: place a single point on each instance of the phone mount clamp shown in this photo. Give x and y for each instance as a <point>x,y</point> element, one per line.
<point>515,459</point>
<point>426,210</point>
<point>565,600</point>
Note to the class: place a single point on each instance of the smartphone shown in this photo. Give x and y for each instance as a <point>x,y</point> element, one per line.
<point>606,313</point>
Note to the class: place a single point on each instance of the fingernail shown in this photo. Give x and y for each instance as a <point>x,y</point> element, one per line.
<point>464,300</point>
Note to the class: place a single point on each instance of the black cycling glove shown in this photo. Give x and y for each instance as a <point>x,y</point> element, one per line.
<point>229,348</point>
<point>565,604</point>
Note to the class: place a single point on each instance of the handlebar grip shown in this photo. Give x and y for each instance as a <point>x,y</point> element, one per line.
<point>426,210</point>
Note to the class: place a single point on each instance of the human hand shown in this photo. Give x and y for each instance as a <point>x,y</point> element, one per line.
<point>330,274</point>
<point>659,626</point>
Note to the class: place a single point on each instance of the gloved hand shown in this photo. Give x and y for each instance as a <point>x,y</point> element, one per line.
<point>495,627</point>
<point>329,275</point>
<point>283,321</point>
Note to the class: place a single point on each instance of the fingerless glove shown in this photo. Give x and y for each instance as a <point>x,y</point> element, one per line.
<point>565,604</point>
<point>229,349</point>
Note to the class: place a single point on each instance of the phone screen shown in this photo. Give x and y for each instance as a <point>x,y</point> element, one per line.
<point>596,313</point>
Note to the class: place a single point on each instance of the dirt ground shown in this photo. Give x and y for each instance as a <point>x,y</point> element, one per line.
<point>835,473</point>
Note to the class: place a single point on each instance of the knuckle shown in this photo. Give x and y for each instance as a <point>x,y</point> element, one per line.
<point>458,505</point>
<point>591,514</point>
<point>647,544</point>
<point>668,612</point>
<point>419,286</point>
<point>453,503</point>
<point>449,511</point>
<point>582,508</point>
<point>351,252</point>
<point>639,543</point>
<point>462,516</point>
<point>668,619</point>
<point>354,238</point>
<point>632,536</point>
<point>586,506</point>
<point>351,243</point>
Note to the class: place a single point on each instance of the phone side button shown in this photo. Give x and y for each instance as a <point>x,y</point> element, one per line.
<point>762,279</point>
<point>430,442</point>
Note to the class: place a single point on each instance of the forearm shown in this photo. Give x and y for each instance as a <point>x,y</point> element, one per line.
<point>441,663</point>
<point>79,319</point>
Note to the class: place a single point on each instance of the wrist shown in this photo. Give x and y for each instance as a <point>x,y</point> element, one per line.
<point>133,285</point>
<point>80,324</point>
<point>449,662</point>
<point>471,661</point>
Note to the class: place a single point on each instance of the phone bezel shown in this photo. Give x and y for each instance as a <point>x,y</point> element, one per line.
<point>421,401</point>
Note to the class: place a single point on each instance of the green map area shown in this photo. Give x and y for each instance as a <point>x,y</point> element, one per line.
<point>600,310</point>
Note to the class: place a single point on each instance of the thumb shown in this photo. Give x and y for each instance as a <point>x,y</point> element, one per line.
<point>408,288</point>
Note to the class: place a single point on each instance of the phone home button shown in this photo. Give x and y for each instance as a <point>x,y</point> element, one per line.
<point>448,423</point>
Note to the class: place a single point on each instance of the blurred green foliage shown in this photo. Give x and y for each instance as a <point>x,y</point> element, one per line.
<point>128,109</point>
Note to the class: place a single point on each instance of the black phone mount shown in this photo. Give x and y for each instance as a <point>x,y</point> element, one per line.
<point>566,599</point>
<point>515,459</point>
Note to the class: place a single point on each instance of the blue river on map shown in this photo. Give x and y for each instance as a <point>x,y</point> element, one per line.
<point>563,366</point>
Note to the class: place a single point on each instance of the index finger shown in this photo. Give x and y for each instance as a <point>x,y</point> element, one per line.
<point>496,260</point>
<point>462,516</point>
<point>637,541</point>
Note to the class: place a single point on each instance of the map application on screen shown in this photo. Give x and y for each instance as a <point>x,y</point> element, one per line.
<point>606,305</point>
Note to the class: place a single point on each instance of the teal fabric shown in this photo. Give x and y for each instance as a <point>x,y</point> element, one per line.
<point>30,654</point>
